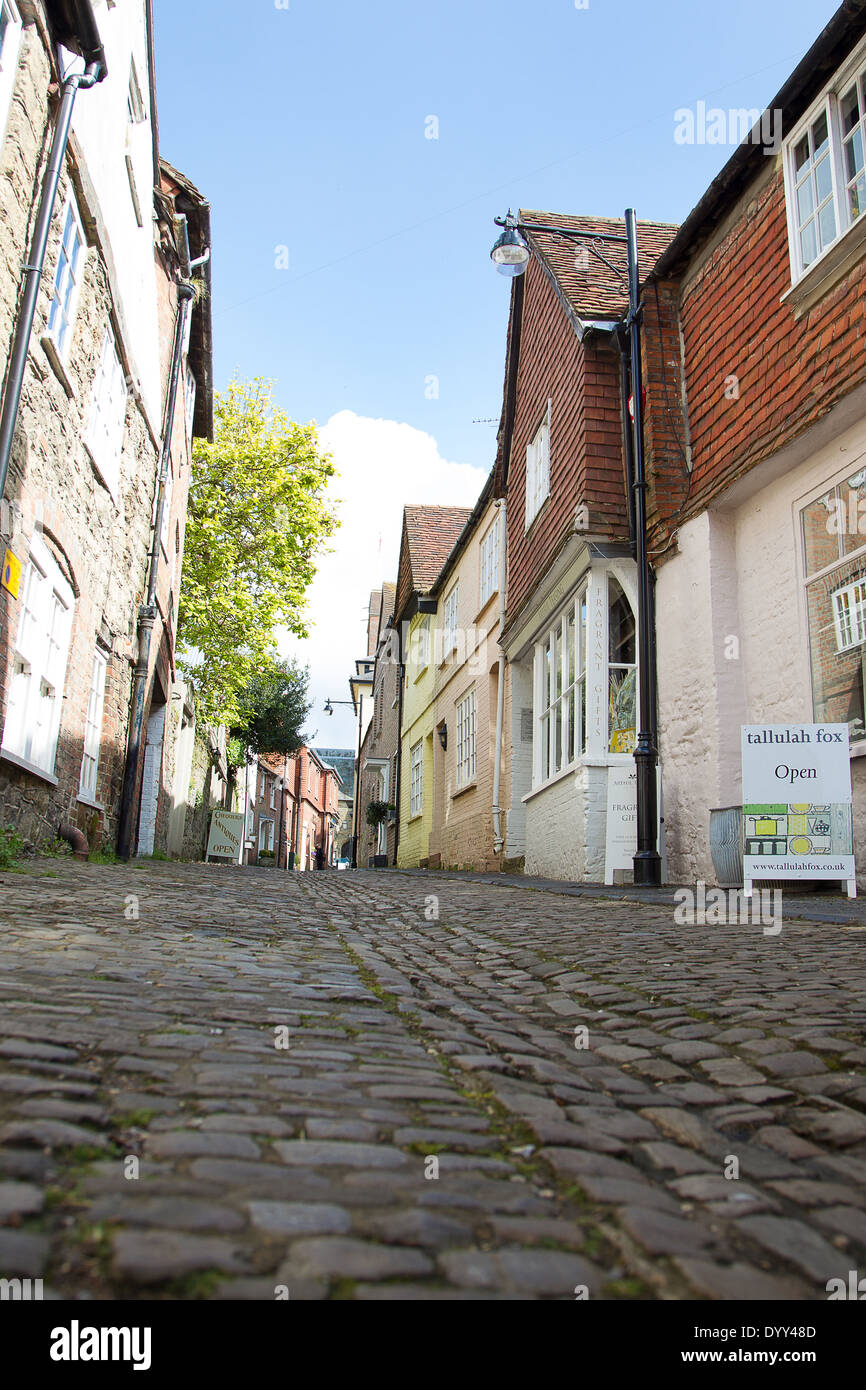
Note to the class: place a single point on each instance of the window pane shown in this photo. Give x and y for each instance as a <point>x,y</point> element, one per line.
<point>854,154</point>
<point>849,107</point>
<point>545,697</point>
<point>545,747</point>
<point>570,740</point>
<point>569,642</point>
<point>852,520</point>
<point>623,710</point>
<point>581,731</point>
<point>808,244</point>
<point>857,197</point>
<point>821,526</point>
<point>827,224</point>
<point>557,664</point>
<point>805,201</point>
<point>621,625</point>
<point>581,634</point>
<point>820,135</point>
<point>557,737</point>
<point>801,156</point>
<point>823,179</point>
<point>836,607</point>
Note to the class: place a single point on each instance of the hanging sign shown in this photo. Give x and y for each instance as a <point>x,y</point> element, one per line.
<point>797,812</point>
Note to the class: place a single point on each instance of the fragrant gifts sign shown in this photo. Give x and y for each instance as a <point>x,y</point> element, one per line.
<point>797,819</point>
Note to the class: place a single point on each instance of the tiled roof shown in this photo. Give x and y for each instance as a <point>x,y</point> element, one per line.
<point>389,593</point>
<point>431,533</point>
<point>594,291</point>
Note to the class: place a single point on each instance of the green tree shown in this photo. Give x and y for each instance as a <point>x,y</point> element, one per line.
<point>273,706</point>
<point>257,521</point>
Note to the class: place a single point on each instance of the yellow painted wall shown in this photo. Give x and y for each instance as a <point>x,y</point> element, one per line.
<point>418,723</point>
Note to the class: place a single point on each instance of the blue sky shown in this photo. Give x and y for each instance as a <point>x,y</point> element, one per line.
<point>306,128</point>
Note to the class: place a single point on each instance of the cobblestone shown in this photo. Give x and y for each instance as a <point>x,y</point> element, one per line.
<point>425,1127</point>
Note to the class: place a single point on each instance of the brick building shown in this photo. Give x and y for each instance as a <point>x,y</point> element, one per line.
<point>756,433</point>
<point>93,560</point>
<point>569,629</point>
<point>292,810</point>
<point>468,828</point>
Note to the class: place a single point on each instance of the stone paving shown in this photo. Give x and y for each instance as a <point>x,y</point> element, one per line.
<point>233,1084</point>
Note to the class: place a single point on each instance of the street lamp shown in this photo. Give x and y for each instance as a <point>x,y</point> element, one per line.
<point>511,255</point>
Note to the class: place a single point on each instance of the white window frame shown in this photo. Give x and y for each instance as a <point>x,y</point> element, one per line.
<point>105,430</point>
<point>35,705</point>
<point>490,552</point>
<point>135,100</point>
<point>592,669</point>
<point>849,614</point>
<point>274,794</point>
<point>63,308</point>
<point>466,749</point>
<point>11,47</point>
<point>266,833</point>
<point>852,72</point>
<point>93,727</point>
<point>416,779</point>
<point>449,630</point>
<point>538,468</point>
<point>556,710</point>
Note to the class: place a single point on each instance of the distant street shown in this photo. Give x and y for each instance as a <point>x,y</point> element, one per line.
<point>226,1083</point>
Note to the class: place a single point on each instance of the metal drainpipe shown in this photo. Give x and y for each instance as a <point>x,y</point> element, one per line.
<point>147,611</point>
<point>498,837</point>
<point>94,73</point>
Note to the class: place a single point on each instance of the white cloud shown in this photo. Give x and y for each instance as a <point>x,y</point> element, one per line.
<point>382,466</point>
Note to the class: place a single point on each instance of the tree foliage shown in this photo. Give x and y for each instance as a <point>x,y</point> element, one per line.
<point>257,521</point>
<point>273,706</point>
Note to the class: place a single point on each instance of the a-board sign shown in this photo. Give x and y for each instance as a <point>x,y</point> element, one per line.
<point>226,835</point>
<point>797,814</point>
<point>620,840</point>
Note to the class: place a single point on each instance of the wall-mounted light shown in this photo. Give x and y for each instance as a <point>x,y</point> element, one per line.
<point>443,735</point>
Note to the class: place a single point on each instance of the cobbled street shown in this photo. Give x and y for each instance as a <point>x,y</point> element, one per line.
<point>383,1086</point>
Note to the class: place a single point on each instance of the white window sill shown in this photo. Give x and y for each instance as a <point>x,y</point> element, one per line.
<point>467,787</point>
<point>832,265</point>
<point>87,800</point>
<point>604,760</point>
<point>24,763</point>
<point>485,605</point>
<point>58,366</point>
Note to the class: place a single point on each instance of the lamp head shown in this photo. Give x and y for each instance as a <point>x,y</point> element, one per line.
<point>510,254</point>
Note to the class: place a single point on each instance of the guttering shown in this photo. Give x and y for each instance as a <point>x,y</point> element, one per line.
<point>498,837</point>
<point>84,34</point>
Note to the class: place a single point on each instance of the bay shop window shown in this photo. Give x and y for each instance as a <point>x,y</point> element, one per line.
<point>585,680</point>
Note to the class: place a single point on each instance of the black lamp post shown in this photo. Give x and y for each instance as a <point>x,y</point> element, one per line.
<point>511,255</point>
